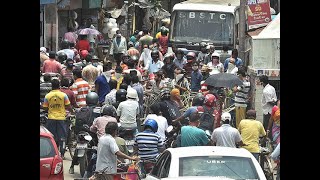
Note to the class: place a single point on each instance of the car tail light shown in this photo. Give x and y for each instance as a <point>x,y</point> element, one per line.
<point>57,165</point>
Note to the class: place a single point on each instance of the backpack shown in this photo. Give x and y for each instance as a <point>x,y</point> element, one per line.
<point>172,110</point>
<point>207,119</point>
<point>83,116</point>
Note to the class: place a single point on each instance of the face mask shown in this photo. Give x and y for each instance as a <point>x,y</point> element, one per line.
<point>70,65</point>
<point>95,64</point>
<point>118,35</point>
<point>145,50</point>
<point>195,68</point>
<point>117,75</point>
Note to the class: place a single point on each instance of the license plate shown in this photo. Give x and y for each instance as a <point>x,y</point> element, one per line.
<point>82,146</point>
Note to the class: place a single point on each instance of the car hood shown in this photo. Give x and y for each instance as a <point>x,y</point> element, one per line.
<point>199,178</point>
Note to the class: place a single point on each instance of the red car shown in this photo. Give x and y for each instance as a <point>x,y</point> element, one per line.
<point>51,163</point>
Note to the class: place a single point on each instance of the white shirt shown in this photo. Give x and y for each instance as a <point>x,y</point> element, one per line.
<point>128,110</point>
<point>226,136</point>
<point>268,95</point>
<point>69,53</point>
<point>145,56</point>
<point>215,69</point>
<point>162,125</point>
<point>153,67</point>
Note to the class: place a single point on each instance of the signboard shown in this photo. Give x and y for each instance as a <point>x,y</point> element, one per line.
<point>258,13</point>
<point>47,1</point>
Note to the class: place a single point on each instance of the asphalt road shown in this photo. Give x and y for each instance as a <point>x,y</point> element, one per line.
<point>66,166</point>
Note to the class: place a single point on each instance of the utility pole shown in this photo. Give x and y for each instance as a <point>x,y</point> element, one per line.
<point>242,31</point>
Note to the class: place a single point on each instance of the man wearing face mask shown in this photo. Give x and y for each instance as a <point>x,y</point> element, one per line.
<point>95,63</point>
<point>196,77</point>
<point>191,57</point>
<point>180,60</point>
<point>118,47</point>
<point>215,65</point>
<point>67,70</point>
<point>118,76</point>
<point>145,57</point>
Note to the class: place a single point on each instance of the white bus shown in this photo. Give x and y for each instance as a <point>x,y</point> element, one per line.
<point>210,21</point>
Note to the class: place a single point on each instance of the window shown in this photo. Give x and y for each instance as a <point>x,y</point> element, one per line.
<point>46,148</point>
<point>227,166</point>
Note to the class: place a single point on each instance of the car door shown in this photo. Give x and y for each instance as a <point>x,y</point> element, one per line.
<point>156,172</point>
<point>47,154</point>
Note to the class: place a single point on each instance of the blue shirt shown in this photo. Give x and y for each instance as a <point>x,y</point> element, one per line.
<point>196,78</point>
<point>104,88</point>
<point>138,87</point>
<point>193,136</point>
<point>238,63</point>
<point>189,111</point>
<point>148,143</point>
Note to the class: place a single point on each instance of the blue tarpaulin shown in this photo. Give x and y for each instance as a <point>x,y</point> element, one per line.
<point>47,1</point>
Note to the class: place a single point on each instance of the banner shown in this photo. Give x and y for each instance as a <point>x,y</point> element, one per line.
<point>259,13</point>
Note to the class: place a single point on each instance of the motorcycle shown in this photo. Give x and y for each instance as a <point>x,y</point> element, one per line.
<point>86,145</point>
<point>128,135</point>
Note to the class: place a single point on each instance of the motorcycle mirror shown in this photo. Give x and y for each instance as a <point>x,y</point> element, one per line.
<point>170,128</point>
<point>88,137</point>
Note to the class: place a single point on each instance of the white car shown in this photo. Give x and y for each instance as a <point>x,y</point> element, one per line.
<point>206,162</point>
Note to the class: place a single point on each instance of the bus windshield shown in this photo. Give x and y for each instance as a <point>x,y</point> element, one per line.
<point>198,26</point>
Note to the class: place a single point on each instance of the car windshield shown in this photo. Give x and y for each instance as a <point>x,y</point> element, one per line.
<point>46,148</point>
<point>226,166</point>
<point>197,26</point>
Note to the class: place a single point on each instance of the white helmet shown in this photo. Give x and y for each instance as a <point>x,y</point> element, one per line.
<point>225,116</point>
<point>215,55</point>
<point>132,93</point>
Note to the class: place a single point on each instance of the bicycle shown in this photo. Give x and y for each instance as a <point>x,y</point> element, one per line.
<point>264,159</point>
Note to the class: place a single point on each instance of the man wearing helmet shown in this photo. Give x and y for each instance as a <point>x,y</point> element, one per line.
<point>155,65</point>
<point>65,46</point>
<point>169,106</point>
<point>210,49</point>
<point>180,60</point>
<point>128,110</point>
<point>209,114</point>
<point>121,95</point>
<point>108,114</point>
<point>215,65</point>
<point>226,135</point>
<point>148,143</point>
<point>191,57</point>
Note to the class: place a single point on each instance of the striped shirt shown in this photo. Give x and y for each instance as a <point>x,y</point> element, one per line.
<point>80,89</point>
<point>148,143</point>
<point>241,98</point>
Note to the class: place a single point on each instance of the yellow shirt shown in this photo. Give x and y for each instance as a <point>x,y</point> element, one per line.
<point>250,131</point>
<point>158,35</point>
<point>56,101</point>
<point>118,80</point>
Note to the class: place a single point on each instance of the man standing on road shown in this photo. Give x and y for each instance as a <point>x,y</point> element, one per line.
<point>250,130</point>
<point>108,151</point>
<point>226,135</point>
<point>269,99</point>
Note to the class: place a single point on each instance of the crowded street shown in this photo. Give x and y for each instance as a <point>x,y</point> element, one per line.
<point>154,89</point>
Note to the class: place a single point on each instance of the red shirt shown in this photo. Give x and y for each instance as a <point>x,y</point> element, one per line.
<point>163,42</point>
<point>70,95</point>
<point>83,45</point>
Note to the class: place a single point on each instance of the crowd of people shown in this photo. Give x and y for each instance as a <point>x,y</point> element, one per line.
<point>143,66</point>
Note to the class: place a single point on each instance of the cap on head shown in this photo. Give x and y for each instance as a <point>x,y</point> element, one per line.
<point>226,116</point>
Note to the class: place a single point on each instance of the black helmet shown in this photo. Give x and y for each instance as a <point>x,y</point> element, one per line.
<point>95,57</point>
<point>92,99</point>
<point>198,100</point>
<point>155,53</point>
<point>165,94</point>
<point>121,95</point>
<point>65,44</point>
<point>108,110</point>
<point>62,56</point>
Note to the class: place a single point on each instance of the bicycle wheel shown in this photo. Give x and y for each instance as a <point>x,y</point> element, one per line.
<point>267,169</point>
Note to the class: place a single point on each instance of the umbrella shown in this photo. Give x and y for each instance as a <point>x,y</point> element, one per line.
<point>223,80</point>
<point>88,31</point>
